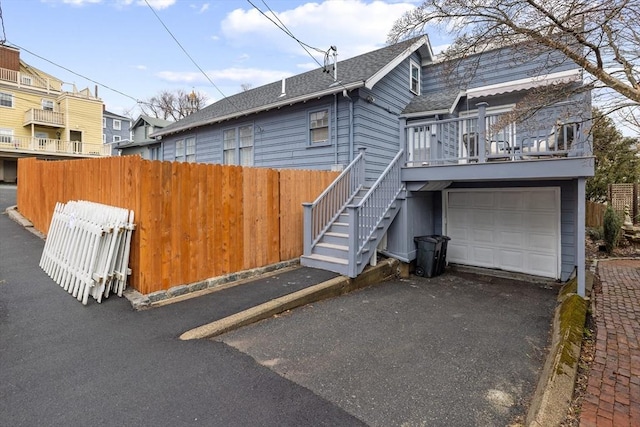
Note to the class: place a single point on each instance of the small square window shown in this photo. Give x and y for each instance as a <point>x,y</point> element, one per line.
<point>116,138</point>
<point>117,125</point>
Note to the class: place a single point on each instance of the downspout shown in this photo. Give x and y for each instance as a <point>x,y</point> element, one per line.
<point>344,94</point>
<point>335,122</point>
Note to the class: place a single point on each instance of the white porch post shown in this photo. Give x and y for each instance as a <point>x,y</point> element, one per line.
<point>580,237</point>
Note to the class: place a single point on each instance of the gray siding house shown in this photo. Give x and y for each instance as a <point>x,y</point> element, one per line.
<point>115,128</point>
<point>425,148</point>
<point>141,143</point>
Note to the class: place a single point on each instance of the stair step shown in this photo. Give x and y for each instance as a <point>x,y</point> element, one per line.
<point>336,234</point>
<point>326,258</point>
<point>333,246</point>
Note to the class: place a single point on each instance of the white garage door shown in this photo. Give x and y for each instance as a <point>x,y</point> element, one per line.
<point>513,229</point>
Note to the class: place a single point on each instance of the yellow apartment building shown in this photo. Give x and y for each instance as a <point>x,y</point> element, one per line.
<point>41,116</point>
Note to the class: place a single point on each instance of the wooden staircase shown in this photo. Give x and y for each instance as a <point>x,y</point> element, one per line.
<point>345,240</point>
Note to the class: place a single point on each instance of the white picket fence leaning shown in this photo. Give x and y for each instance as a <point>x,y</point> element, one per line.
<point>87,249</point>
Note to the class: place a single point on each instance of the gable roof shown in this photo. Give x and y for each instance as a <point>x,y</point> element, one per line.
<point>153,121</point>
<point>360,71</point>
<point>117,116</point>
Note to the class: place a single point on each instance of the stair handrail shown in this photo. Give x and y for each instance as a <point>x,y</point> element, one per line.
<point>319,215</point>
<point>365,216</point>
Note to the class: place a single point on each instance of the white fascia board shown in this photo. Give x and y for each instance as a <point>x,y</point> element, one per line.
<point>528,83</point>
<point>371,81</point>
<point>335,89</point>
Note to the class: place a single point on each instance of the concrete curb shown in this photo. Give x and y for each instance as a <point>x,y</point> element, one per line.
<point>13,213</point>
<point>183,292</point>
<point>555,387</point>
<point>331,288</point>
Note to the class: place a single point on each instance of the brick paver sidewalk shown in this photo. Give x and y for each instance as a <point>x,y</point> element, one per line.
<point>613,392</point>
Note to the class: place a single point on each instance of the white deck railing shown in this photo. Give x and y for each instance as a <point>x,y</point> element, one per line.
<point>320,214</point>
<point>48,117</point>
<point>459,141</point>
<point>368,214</point>
<point>26,145</point>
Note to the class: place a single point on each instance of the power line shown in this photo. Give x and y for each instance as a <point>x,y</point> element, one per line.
<point>185,51</point>
<point>77,74</point>
<point>287,31</point>
<point>4,33</point>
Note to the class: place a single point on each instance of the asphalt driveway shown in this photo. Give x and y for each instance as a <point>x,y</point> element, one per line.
<point>452,350</point>
<point>455,350</point>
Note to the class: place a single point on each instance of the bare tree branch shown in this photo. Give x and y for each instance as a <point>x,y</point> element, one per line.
<point>602,37</point>
<point>174,105</point>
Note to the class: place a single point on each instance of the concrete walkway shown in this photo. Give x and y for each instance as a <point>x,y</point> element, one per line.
<point>613,392</point>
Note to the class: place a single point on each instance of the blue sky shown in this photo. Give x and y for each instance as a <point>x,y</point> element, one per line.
<point>122,45</point>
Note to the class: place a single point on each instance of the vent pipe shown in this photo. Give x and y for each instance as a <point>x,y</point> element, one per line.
<point>283,92</point>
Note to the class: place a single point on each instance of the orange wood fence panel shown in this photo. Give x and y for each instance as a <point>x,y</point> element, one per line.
<point>595,214</point>
<point>193,221</point>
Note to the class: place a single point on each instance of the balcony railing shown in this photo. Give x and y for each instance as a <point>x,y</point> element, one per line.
<point>488,138</point>
<point>30,145</point>
<point>24,79</point>
<point>45,117</point>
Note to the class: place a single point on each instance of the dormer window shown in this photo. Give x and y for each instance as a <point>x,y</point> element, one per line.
<point>414,77</point>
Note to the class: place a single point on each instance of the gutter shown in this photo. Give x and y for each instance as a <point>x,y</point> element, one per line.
<point>333,90</point>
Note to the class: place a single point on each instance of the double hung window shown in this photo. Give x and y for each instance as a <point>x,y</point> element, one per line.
<point>319,126</point>
<point>414,78</point>
<point>6,99</point>
<point>237,146</point>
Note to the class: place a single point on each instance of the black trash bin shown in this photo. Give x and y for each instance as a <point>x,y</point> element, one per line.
<point>428,256</point>
<point>442,260</point>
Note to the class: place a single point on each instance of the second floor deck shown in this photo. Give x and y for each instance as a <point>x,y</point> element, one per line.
<point>489,147</point>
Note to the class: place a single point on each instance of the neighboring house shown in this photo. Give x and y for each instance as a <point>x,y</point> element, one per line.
<point>39,118</point>
<point>115,128</point>
<point>141,143</point>
<point>426,148</point>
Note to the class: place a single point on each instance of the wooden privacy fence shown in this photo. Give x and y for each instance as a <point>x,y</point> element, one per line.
<point>595,214</point>
<point>193,221</point>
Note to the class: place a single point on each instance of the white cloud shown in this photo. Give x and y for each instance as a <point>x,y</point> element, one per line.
<point>354,26</point>
<point>158,4</point>
<point>202,8</point>
<point>140,67</point>
<point>73,2</point>
<point>255,77</point>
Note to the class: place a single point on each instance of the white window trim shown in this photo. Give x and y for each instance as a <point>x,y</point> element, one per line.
<point>104,123</point>
<point>118,126</point>
<point>48,101</point>
<point>4,133</point>
<point>413,64</point>
<point>327,141</point>
<point>117,138</point>
<point>10,95</point>
<point>179,156</point>
<point>238,147</point>
<point>190,149</point>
